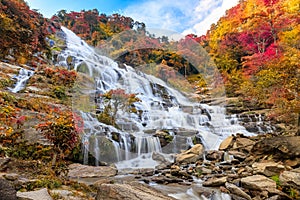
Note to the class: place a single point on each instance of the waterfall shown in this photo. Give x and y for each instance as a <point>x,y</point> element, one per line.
<point>161,107</point>
<point>21,80</point>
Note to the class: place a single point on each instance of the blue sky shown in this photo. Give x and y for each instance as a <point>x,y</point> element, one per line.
<point>182,16</point>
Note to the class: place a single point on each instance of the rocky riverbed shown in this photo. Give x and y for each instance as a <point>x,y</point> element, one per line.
<point>260,167</point>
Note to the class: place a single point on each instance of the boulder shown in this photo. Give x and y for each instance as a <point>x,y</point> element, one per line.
<point>34,195</point>
<point>226,143</point>
<point>129,191</point>
<point>268,168</point>
<point>7,191</point>
<point>290,178</point>
<point>243,144</point>
<point>237,191</point>
<point>192,155</point>
<point>280,147</point>
<point>215,182</point>
<point>85,171</point>
<point>258,182</point>
<point>214,155</point>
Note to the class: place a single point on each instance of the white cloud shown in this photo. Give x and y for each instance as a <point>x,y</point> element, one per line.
<point>192,16</point>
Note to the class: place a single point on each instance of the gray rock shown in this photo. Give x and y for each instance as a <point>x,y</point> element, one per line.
<point>129,191</point>
<point>237,191</point>
<point>258,182</point>
<point>11,177</point>
<point>7,192</point>
<point>84,171</point>
<point>215,182</point>
<point>41,194</point>
<point>290,178</point>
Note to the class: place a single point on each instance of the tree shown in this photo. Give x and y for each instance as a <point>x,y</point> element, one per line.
<point>62,129</point>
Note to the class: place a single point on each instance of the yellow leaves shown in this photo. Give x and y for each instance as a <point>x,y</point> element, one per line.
<point>292,6</point>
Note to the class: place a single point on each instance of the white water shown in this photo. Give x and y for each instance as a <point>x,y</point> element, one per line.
<point>162,107</point>
<point>21,80</point>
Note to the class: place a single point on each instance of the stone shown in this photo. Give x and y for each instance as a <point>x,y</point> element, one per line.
<point>3,163</point>
<point>226,143</point>
<point>280,147</point>
<point>237,191</point>
<point>238,155</point>
<point>85,171</point>
<point>215,182</point>
<point>7,191</point>
<point>34,195</point>
<point>244,144</point>
<point>11,177</point>
<point>268,168</point>
<point>214,155</point>
<point>129,191</point>
<point>290,178</point>
<point>258,182</point>
<point>192,155</point>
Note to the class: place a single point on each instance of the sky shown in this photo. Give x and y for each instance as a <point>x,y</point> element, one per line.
<point>181,16</point>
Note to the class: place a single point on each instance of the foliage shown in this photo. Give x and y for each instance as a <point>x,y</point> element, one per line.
<point>62,129</point>
<point>23,31</point>
<point>114,101</point>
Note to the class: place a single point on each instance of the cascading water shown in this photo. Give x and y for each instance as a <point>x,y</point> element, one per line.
<point>160,108</point>
<point>21,80</point>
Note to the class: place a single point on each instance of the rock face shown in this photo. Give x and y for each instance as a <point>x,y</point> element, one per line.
<point>258,182</point>
<point>7,192</point>
<point>84,171</point>
<point>35,195</point>
<point>129,191</point>
<point>192,155</point>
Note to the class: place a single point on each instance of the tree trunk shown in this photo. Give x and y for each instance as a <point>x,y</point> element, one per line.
<point>54,159</point>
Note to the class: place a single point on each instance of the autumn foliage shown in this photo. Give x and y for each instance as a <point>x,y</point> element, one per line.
<point>23,31</point>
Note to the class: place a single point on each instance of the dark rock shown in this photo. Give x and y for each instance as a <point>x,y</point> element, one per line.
<point>214,155</point>
<point>7,192</point>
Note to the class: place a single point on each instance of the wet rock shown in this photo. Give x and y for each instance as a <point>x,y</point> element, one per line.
<point>226,143</point>
<point>237,191</point>
<point>291,178</point>
<point>214,155</point>
<point>268,168</point>
<point>258,182</point>
<point>215,182</point>
<point>7,192</point>
<point>34,195</point>
<point>129,191</point>
<point>192,155</point>
<point>84,171</point>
